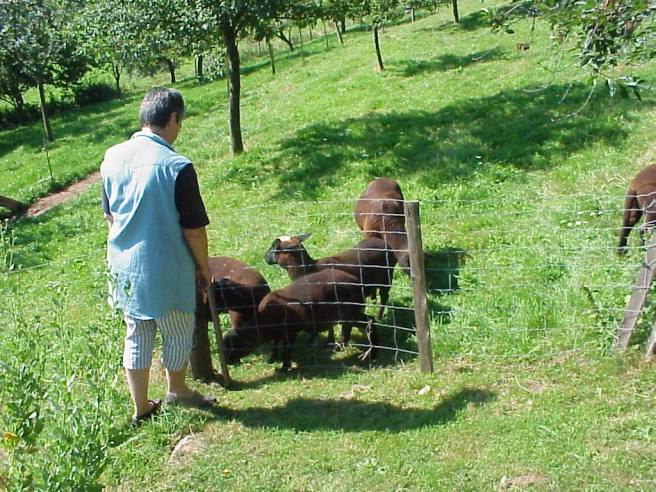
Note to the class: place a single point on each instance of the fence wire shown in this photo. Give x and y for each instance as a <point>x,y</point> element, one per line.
<point>506,276</point>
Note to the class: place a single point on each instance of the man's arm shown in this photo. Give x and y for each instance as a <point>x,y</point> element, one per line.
<point>197,241</point>
<point>105,205</point>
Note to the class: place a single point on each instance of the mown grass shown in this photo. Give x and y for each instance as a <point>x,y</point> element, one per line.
<point>519,209</point>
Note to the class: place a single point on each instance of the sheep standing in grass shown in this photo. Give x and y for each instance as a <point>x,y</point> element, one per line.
<point>312,303</point>
<point>240,309</point>
<point>640,199</point>
<point>379,213</point>
<point>368,260</point>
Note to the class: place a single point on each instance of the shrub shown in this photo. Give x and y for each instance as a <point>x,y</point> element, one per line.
<point>93,93</point>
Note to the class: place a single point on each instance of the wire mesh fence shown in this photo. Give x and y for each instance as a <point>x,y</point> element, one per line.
<point>506,276</point>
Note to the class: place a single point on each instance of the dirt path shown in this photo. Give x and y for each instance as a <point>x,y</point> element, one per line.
<point>44,204</point>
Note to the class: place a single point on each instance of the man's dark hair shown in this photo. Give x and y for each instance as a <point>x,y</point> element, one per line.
<point>157,106</point>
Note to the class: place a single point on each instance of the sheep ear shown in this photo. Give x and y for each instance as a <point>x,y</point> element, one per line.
<point>303,237</point>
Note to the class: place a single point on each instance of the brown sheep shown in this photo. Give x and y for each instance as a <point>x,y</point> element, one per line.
<point>241,310</point>
<point>379,213</point>
<point>640,199</point>
<point>368,260</point>
<point>312,303</point>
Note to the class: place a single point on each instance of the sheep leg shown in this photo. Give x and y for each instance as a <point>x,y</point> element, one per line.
<point>330,341</point>
<point>383,294</point>
<point>287,352</point>
<point>630,216</point>
<point>273,355</point>
<point>345,337</point>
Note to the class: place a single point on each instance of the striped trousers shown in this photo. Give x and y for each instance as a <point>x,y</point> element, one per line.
<point>176,328</point>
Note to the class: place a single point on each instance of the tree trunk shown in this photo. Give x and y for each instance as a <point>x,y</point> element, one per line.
<point>17,102</point>
<point>44,113</point>
<point>271,57</point>
<point>343,24</point>
<point>116,72</point>
<point>259,48</point>
<point>339,34</point>
<point>288,41</point>
<point>199,66</point>
<point>169,63</point>
<point>325,33</point>
<point>379,58</point>
<point>310,29</point>
<point>456,17</point>
<point>11,204</point>
<point>413,15</point>
<point>234,89</point>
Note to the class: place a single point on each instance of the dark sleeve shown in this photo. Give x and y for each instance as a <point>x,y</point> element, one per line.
<point>188,200</point>
<point>105,200</point>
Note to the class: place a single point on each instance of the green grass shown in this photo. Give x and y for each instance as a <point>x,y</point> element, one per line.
<point>519,207</point>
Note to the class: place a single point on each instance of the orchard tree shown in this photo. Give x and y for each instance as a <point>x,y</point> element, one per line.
<point>336,12</point>
<point>37,39</point>
<point>415,5</point>
<point>232,20</point>
<point>111,31</point>
<point>171,33</point>
<point>378,12</point>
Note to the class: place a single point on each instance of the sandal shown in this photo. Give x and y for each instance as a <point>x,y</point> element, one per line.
<point>140,419</point>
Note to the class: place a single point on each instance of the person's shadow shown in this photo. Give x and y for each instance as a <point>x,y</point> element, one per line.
<point>350,415</point>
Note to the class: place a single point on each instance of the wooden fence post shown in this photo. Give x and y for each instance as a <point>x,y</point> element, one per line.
<point>219,336</point>
<point>651,344</point>
<point>418,275</point>
<point>638,297</point>
<point>11,204</point>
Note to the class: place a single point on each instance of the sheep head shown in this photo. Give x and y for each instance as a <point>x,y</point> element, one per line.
<point>288,252</point>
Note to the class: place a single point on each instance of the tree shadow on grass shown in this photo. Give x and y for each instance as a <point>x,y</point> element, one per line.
<point>97,122</point>
<point>411,68</point>
<point>349,415</point>
<point>479,19</point>
<point>515,128</point>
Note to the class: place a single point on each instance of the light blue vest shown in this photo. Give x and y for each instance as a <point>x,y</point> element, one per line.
<point>151,268</point>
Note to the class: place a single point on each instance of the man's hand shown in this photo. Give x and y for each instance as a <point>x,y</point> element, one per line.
<point>203,281</point>
<point>197,241</point>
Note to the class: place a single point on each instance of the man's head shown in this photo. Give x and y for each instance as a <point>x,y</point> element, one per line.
<point>162,110</point>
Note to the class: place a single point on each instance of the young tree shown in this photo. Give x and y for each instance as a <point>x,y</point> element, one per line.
<point>232,20</point>
<point>336,12</point>
<point>377,12</point>
<point>111,32</point>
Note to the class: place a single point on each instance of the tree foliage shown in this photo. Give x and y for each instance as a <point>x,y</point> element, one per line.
<point>39,46</point>
<point>608,34</point>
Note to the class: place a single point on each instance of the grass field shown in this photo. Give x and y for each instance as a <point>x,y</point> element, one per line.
<point>520,202</point>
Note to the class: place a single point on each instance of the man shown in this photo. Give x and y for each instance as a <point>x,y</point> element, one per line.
<point>156,249</point>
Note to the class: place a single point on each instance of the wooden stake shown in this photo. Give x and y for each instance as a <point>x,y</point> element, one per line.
<point>418,275</point>
<point>651,344</point>
<point>638,297</point>
<point>219,337</point>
